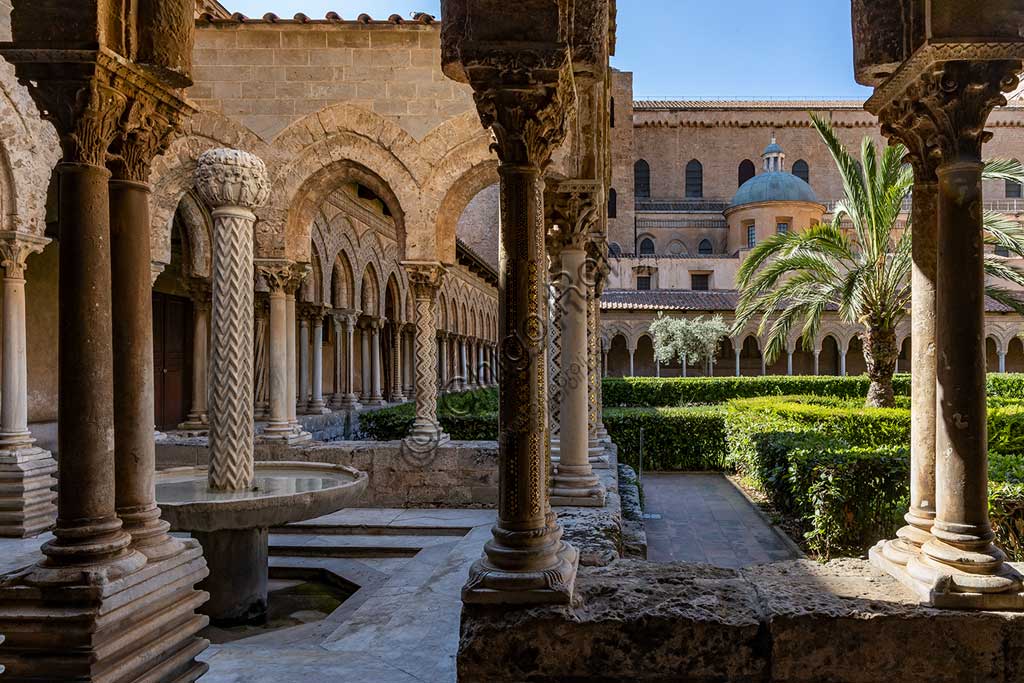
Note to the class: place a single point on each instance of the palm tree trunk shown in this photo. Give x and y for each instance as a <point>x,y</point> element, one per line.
<point>880,355</point>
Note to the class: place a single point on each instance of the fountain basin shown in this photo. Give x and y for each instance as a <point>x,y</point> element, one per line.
<point>232,526</point>
<point>283,492</point>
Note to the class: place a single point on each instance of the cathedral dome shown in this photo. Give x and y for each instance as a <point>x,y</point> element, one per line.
<point>774,186</point>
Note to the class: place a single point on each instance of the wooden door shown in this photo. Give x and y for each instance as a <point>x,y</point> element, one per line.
<point>172,359</point>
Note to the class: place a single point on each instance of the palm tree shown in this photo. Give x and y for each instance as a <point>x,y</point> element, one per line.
<point>864,273</point>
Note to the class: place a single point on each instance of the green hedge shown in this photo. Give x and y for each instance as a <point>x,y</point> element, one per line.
<point>1005,385</point>
<point>844,470</point>
<point>466,416</point>
<point>681,391</point>
<point>691,439</point>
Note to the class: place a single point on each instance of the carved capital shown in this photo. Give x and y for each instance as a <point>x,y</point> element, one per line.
<point>299,273</point>
<point>232,178</point>
<point>573,209</point>
<point>277,274</point>
<point>90,125</point>
<point>145,133</point>
<point>424,277</point>
<point>526,98</point>
<point>15,248</point>
<point>941,115</point>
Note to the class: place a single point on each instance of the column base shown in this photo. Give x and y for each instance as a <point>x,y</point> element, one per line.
<point>287,434</point>
<point>140,627</point>
<point>27,492</point>
<point>424,439</point>
<point>317,408</point>
<point>489,585</point>
<point>375,402</point>
<point>576,491</point>
<point>237,581</point>
<point>349,402</point>
<point>945,587</point>
<point>195,422</point>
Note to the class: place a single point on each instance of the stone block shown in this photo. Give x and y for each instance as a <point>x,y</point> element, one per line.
<point>304,38</point>
<point>331,57</point>
<point>382,40</point>
<point>348,38</point>
<point>291,57</point>
<point>258,38</point>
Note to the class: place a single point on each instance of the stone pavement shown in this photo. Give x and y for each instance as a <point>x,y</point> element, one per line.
<point>401,626</point>
<point>703,518</point>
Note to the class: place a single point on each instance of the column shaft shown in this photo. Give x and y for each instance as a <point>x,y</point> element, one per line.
<point>198,417</point>
<point>292,361</point>
<point>132,333</point>
<point>280,420</point>
<point>303,402</point>
<point>376,397</point>
<point>366,392</point>
<point>397,395</point>
<point>316,404</point>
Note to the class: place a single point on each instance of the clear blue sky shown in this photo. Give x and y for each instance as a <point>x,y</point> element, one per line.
<point>693,48</point>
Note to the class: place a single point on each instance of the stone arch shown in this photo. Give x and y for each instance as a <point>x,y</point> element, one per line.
<point>197,231</point>
<point>369,292</point>
<point>460,193</point>
<point>29,150</point>
<point>343,282</point>
<point>618,355</point>
<point>442,314</point>
<point>392,300</point>
<point>312,287</point>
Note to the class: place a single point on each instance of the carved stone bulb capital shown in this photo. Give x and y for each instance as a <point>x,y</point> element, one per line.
<point>231,177</point>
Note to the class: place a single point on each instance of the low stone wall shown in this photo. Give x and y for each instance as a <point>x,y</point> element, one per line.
<point>788,622</point>
<point>459,474</point>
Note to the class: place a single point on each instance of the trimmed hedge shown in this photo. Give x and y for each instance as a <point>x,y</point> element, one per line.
<point>467,416</point>
<point>844,470</point>
<point>691,439</point>
<point>680,391</point>
<point>1005,385</point>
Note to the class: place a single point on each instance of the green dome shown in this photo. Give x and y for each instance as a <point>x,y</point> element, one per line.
<point>775,186</point>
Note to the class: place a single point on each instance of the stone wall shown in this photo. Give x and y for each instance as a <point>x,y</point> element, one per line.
<point>787,622</point>
<point>620,228</point>
<point>268,75</point>
<point>463,474</point>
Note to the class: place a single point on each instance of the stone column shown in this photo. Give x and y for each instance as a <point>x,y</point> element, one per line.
<point>316,402</point>
<point>1002,360</point>
<point>443,362</point>
<point>555,378</point>
<point>277,275</point>
<point>573,207</point>
<point>632,353</point>
<point>198,419</point>
<point>425,279</point>
<point>738,368</point>
<point>526,561</point>
<point>958,566</point>
<point>397,395</point>
<point>350,400</point>
<point>789,362</point>
<point>233,183</point>
<point>26,471</point>
<point>338,385</point>
<point>842,361</point>
<point>410,361</point>
<point>132,327</point>
<point>261,360</point>
<point>376,360</point>
<point>366,390</point>
<point>299,273</point>
<point>817,358</point>
<point>302,404</point>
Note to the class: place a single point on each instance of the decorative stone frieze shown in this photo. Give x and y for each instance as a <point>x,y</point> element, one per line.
<point>234,183</point>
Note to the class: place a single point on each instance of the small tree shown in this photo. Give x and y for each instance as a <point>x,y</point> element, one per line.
<point>692,340</point>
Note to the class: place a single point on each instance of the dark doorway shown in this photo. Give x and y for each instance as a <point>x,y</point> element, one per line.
<point>172,359</point>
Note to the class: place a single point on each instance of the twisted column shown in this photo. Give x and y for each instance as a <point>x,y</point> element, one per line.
<point>442,362</point>
<point>26,471</point>
<point>397,395</point>
<point>425,279</point>
<point>233,183</point>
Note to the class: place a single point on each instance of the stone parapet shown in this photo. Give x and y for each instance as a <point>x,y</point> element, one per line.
<point>798,622</point>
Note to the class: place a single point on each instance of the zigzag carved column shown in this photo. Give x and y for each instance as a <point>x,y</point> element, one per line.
<point>233,183</point>
<point>425,279</point>
<point>524,93</point>
<point>26,471</point>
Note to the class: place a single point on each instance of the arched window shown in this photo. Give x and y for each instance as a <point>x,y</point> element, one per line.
<point>613,203</point>
<point>705,248</point>
<point>694,180</point>
<point>1013,189</point>
<point>647,247</point>
<point>802,171</point>
<point>614,249</point>
<point>611,112</point>
<point>747,171</point>
<point>642,179</point>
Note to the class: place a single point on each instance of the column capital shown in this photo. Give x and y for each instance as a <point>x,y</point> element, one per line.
<point>573,209</point>
<point>425,276</point>
<point>276,273</point>
<point>199,290</point>
<point>232,178</point>
<point>15,248</point>
<point>941,112</point>
<point>148,127</point>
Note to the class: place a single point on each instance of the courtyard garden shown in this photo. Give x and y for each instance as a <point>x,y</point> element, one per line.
<point>833,473</point>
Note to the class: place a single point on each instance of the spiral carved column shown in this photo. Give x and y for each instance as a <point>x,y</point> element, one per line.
<point>425,279</point>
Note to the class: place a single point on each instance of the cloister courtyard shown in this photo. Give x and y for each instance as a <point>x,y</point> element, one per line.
<point>421,349</point>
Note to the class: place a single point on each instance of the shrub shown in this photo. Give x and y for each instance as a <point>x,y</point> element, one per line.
<point>846,420</point>
<point>690,439</point>
<point>1005,385</point>
<point>466,416</point>
<point>681,391</point>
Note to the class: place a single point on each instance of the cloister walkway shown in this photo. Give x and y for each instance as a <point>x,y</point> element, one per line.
<point>698,517</point>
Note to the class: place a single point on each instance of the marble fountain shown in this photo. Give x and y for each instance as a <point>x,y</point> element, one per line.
<point>230,506</point>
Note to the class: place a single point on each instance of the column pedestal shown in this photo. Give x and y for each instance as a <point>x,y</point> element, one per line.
<point>237,583</point>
